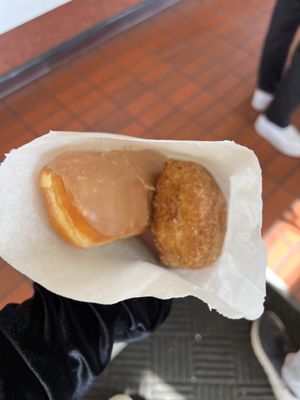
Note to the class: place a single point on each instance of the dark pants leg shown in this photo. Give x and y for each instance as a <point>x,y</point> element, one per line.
<point>284,24</point>
<point>287,95</point>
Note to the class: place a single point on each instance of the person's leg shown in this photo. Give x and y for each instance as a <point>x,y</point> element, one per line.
<point>275,125</point>
<point>287,95</point>
<point>283,26</point>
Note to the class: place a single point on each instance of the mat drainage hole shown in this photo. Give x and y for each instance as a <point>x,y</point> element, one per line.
<point>198,337</point>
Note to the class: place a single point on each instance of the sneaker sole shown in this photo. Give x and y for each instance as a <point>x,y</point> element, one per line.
<point>280,390</point>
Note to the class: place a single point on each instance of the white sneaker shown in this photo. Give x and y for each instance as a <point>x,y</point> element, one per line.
<point>261,100</point>
<point>120,397</point>
<point>286,140</point>
<point>271,344</point>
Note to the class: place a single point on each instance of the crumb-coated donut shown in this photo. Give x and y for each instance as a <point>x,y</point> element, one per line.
<point>189,216</point>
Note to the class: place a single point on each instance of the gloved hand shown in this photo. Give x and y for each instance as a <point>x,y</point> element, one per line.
<point>53,348</point>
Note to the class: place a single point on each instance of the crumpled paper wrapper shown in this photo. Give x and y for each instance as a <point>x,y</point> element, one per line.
<point>234,285</point>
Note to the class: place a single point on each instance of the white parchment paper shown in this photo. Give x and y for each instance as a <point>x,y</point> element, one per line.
<point>234,285</point>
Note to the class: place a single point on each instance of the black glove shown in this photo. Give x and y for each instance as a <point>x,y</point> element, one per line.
<point>53,348</point>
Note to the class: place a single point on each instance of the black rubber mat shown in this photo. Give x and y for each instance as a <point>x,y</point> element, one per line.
<point>195,355</point>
